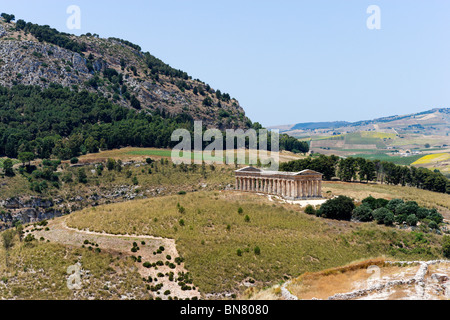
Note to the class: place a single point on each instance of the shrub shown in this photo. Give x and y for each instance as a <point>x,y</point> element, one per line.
<point>436,216</point>
<point>247,219</point>
<point>310,210</point>
<point>389,219</point>
<point>446,246</point>
<point>257,251</point>
<point>422,213</point>
<point>401,218</point>
<point>407,208</point>
<point>340,208</point>
<point>412,220</point>
<point>433,225</point>
<point>371,202</point>
<point>240,210</point>
<point>363,213</point>
<point>239,252</point>
<point>381,214</point>
<point>392,205</point>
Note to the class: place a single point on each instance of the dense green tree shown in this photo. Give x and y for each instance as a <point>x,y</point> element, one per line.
<point>412,220</point>
<point>340,208</point>
<point>363,213</point>
<point>380,215</point>
<point>8,17</point>
<point>25,157</point>
<point>446,246</point>
<point>8,167</point>
<point>8,242</point>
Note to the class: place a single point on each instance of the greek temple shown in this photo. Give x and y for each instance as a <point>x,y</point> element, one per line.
<point>289,185</point>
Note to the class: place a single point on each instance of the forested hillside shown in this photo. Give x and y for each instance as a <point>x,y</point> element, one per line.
<point>62,96</point>
<point>114,68</point>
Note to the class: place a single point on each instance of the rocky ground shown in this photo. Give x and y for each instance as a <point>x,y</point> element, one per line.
<point>412,280</point>
<point>57,231</point>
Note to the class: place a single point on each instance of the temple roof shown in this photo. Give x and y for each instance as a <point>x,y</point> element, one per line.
<point>306,172</point>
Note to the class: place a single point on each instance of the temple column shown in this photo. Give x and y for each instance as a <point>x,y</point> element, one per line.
<point>301,189</point>
<point>288,188</point>
<point>320,188</point>
<point>291,189</point>
<point>295,189</point>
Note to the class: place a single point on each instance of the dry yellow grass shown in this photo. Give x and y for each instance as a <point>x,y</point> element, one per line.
<point>212,231</point>
<point>324,284</point>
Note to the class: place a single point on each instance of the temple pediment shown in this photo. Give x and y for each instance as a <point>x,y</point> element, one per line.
<point>307,172</point>
<point>249,169</point>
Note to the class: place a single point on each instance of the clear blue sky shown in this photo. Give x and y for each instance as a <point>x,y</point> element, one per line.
<point>285,61</point>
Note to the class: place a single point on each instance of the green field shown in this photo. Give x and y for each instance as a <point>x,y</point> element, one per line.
<point>394,159</point>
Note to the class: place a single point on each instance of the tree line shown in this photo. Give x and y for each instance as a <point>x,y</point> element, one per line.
<point>63,123</point>
<point>360,169</point>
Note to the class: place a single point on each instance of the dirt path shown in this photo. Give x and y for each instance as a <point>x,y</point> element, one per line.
<point>59,232</point>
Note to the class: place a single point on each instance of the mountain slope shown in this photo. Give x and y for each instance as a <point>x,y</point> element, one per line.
<point>435,121</point>
<point>117,69</point>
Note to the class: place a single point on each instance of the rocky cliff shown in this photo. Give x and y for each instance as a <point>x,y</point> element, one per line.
<point>26,211</point>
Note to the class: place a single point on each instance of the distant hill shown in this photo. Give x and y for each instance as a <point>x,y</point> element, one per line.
<point>435,121</point>
<point>319,125</point>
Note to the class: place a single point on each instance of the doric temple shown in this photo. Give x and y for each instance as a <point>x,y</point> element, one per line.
<point>290,185</point>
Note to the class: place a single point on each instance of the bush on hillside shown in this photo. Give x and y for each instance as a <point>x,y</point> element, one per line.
<point>340,208</point>
<point>363,213</point>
